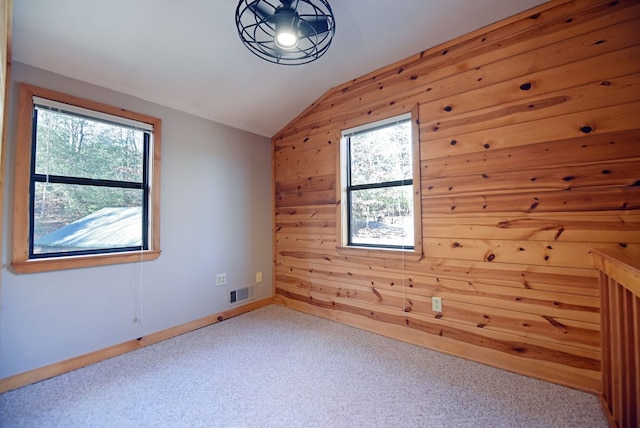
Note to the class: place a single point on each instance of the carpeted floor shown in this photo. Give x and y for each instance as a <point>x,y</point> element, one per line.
<point>279,368</point>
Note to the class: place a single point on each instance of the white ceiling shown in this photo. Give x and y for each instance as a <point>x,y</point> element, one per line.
<point>186,54</point>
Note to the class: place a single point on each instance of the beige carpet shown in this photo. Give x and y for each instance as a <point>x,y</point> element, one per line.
<point>278,368</point>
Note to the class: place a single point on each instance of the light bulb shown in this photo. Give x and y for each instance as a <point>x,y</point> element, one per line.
<point>286,20</point>
<point>286,40</point>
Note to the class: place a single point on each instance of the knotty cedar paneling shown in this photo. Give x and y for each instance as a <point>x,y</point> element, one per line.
<point>448,71</point>
<point>613,228</point>
<point>530,157</point>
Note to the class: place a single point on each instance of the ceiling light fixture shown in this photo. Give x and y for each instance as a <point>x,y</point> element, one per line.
<point>290,32</point>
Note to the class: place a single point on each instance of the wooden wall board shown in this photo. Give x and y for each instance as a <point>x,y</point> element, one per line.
<point>306,241</point>
<point>284,159</point>
<point>561,16</point>
<point>292,145</point>
<point>437,81</point>
<point>542,253</point>
<point>592,95</point>
<point>307,212</point>
<point>571,151</point>
<point>542,202</point>
<point>536,179</point>
<point>597,69</point>
<point>580,282</point>
<point>318,182</point>
<point>306,170</point>
<point>301,198</point>
<point>576,228</point>
<point>534,162</point>
<point>545,328</point>
<point>622,117</point>
<point>527,302</point>
<point>311,226</point>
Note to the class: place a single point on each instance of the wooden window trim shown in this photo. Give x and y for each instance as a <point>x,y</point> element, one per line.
<point>20,258</point>
<point>414,255</point>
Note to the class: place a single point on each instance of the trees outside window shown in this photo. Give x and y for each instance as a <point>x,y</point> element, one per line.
<point>379,187</point>
<point>87,183</point>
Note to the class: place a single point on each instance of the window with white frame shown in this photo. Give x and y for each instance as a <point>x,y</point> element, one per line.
<point>91,177</point>
<point>378,184</point>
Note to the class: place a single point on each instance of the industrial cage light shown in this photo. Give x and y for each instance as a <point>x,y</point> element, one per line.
<point>289,32</point>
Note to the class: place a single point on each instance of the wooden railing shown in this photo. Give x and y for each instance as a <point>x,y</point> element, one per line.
<point>620,311</point>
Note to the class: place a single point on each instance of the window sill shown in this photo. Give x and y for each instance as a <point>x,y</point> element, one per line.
<point>381,253</point>
<point>73,262</point>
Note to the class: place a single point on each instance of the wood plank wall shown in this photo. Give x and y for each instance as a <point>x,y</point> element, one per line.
<point>530,157</point>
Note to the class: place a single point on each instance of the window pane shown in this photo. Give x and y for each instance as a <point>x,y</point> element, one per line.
<point>79,147</point>
<point>382,216</point>
<point>381,155</point>
<point>79,218</point>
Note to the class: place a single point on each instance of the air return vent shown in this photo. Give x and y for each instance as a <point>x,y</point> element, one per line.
<point>241,295</point>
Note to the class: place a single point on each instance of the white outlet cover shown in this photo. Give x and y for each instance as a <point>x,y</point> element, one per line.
<point>221,279</point>
<point>436,304</point>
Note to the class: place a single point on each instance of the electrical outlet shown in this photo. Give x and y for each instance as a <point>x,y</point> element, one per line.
<point>436,304</point>
<point>221,279</point>
<point>258,277</point>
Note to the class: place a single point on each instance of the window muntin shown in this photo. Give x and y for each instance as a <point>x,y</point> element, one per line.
<point>88,185</point>
<point>87,188</point>
<point>379,188</point>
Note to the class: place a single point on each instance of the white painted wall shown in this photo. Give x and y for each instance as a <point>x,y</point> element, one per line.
<point>216,217</point>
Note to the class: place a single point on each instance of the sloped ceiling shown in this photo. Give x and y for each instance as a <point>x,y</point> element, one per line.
<point>186,54</point>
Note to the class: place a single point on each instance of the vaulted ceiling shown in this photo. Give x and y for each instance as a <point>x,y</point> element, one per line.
<point>186,54</point>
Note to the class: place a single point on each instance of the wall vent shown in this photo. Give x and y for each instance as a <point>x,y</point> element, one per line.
<point>241,295</point>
